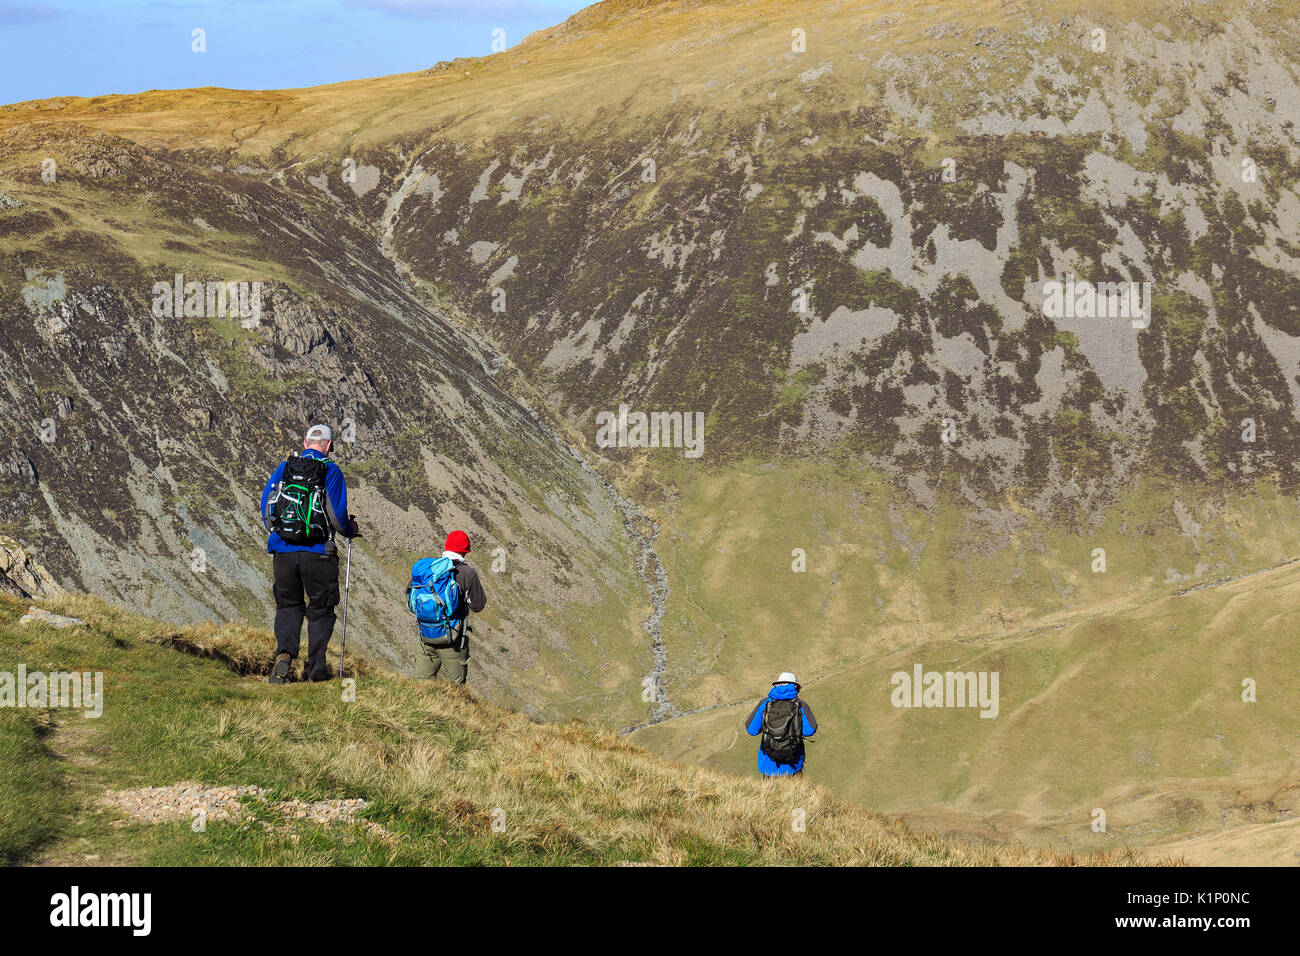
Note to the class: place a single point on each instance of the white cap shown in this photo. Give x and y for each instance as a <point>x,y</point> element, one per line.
<point>319,433</point>
<point>785,678</point>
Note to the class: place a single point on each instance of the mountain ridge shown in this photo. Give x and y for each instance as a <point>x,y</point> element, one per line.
<point>827,228</point>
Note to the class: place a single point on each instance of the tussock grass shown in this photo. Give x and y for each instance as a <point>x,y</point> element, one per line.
<point>439,765</point>
<point>33,804</point>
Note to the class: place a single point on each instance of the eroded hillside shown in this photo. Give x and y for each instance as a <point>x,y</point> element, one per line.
<point>136,443</point>
<point>829,226</point>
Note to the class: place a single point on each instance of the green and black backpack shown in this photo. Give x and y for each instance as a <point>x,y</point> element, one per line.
<point>296,508</point>
<point>783,731</point>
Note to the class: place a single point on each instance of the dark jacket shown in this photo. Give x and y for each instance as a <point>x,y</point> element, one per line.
<point>472,597</point>
<point>754,726</point>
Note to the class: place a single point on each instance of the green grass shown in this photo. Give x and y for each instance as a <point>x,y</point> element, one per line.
<point>30,778</point>
<point>434,761</point>
<point>1116,691</point>
<point>884,574</point>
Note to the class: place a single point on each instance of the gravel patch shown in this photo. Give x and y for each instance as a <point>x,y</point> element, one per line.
<point>179,801</point>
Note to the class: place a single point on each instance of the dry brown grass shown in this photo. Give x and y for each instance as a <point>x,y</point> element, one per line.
<point>442,763</point>
<point>616,59</point>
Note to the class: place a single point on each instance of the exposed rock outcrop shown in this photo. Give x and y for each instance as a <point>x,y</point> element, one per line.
<point>21,575</point>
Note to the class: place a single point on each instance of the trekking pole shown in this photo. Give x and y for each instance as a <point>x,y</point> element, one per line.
<point>347,585</point>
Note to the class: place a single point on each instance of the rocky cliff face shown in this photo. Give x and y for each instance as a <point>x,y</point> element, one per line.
<point>137,431</point>
<point>20,575</point>
<point>829,228</point>
<point>847,246</point>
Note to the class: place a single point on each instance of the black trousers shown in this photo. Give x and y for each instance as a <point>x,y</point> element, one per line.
<point>316,576</point>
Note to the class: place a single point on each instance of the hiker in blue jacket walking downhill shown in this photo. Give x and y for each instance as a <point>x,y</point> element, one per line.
<point>304,505</point>
<point>784,721</point>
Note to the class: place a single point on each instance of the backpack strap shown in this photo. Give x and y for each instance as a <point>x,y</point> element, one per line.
<point>441,603</point>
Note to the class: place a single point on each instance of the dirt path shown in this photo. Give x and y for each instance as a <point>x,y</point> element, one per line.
<point>69,743</point>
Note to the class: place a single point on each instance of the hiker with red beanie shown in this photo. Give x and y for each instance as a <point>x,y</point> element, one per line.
<point>450,655</point>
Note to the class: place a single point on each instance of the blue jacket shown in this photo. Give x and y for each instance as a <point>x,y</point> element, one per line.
<point>754,726</point>
<point>336,490</point>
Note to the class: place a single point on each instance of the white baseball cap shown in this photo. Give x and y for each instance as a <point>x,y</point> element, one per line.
<point>786,678</point>
<point>319,433</point>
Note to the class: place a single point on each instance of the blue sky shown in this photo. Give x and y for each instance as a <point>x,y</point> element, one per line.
<point>93,47</point>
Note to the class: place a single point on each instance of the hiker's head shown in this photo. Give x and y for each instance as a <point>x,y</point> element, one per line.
<point>457,541</point>
<point>786,678</point>
<point>320,438</point>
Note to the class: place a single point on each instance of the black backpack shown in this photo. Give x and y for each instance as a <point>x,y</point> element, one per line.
<point>296,508</point>
<point>782,731</point>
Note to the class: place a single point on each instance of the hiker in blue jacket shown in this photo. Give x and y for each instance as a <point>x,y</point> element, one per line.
<point>784,721</point>
<point>304,505</point>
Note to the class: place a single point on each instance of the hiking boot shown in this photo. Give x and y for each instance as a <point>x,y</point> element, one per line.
<point>280,675</point>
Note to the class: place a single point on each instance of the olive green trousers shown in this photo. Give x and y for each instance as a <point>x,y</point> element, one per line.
<point>451,662</point>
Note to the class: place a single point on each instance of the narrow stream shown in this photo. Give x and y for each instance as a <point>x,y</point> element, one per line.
<point>643,532</point>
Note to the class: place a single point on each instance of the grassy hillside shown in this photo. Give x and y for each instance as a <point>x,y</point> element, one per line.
<point>798,147</point>
<point>620,43</point>
<point>658,185</point>
<point>433,761</point>
<point>1119,690</point>
<point>880,574</point>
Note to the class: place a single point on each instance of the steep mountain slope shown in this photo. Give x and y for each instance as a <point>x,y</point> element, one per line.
<point>657,241</point>
<point>654,184</point>
<point>135,444</point>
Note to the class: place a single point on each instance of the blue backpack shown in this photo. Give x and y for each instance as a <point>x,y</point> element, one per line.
<point>434,597</point>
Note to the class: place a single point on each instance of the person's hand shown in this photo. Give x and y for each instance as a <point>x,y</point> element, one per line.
<point>354,531</point>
